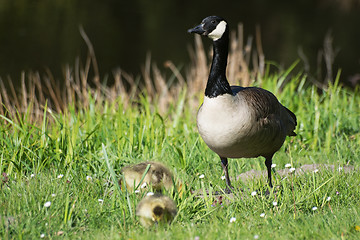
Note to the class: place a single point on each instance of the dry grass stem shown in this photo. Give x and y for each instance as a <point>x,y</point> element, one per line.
<point>82,81</point>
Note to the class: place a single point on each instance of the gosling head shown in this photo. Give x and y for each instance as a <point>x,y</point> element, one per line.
<point>213,26</point>
<point>157,214</point>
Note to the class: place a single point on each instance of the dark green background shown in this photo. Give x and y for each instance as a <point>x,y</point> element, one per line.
<point>39,34</point>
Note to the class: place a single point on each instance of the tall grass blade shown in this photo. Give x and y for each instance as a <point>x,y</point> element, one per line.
<point>115,180</point>
<point>143,176</point>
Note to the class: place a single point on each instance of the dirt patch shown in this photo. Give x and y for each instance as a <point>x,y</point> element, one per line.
<point>222,197</point>
<point>307,168</point>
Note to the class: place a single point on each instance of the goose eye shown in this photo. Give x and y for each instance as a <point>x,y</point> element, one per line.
<point>213,21</point>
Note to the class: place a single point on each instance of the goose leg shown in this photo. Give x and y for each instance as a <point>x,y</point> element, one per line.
<point>224,164</point>
<point>268,163</point>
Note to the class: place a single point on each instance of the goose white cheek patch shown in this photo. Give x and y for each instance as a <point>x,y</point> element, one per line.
<point>218,31</point>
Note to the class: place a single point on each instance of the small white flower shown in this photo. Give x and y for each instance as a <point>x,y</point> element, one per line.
<point>256,237</point>
<point>314,208</point>
<point>89,178</point>
<point>275,203</point>
<point>32,175</point>
<point>253,193</point>
<point>60,176</point>
<point>201,176</point>
<point>100,200</point>
<point>222,177</point>
<point>262,215</point>
<point>232,219</point>
<point>137,191</point>
<point>47,204</point>
<point>143,185</point>
<point>149,194</point>
<point>42,235</point>
<point>287,165</point>
<point>273,165</point>
<point>340,168</point>
<point>328,199</point>
<point>53,195</point>
<point>292,170</point>
<point>316,170</point>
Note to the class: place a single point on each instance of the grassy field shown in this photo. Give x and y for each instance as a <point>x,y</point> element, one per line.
<point>56,183</point>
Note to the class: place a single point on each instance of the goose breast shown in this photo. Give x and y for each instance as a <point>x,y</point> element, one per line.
<point>236,126</point>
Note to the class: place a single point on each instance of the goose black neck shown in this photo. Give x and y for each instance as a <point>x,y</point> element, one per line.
<point>217,83</point>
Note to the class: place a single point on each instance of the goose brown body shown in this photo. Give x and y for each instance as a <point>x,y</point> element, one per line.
<point>249,123</point>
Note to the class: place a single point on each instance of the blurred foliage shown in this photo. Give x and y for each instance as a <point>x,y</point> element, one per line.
<point>41,34</point>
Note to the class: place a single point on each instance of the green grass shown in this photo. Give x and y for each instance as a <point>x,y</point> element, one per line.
<point>105,136</point>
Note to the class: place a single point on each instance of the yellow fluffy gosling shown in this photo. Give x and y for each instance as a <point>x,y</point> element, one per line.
<point>158,176</point>
<point>156,209</point>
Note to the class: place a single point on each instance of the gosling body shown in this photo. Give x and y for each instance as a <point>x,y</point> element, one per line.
<point>156,209</point>
<point>158,176</point>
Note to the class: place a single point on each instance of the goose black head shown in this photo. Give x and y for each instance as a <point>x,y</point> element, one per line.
<point>213,26</point>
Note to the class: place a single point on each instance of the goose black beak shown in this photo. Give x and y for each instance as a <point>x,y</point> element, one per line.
<point>198,29</point>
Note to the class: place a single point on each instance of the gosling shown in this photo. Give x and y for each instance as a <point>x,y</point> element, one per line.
<point>158,176</point>
<point>156,209</point>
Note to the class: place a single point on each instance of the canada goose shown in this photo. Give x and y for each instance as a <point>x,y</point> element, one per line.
<point>158,176</point>
<point>234,121</point>
<point>154,209</point>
